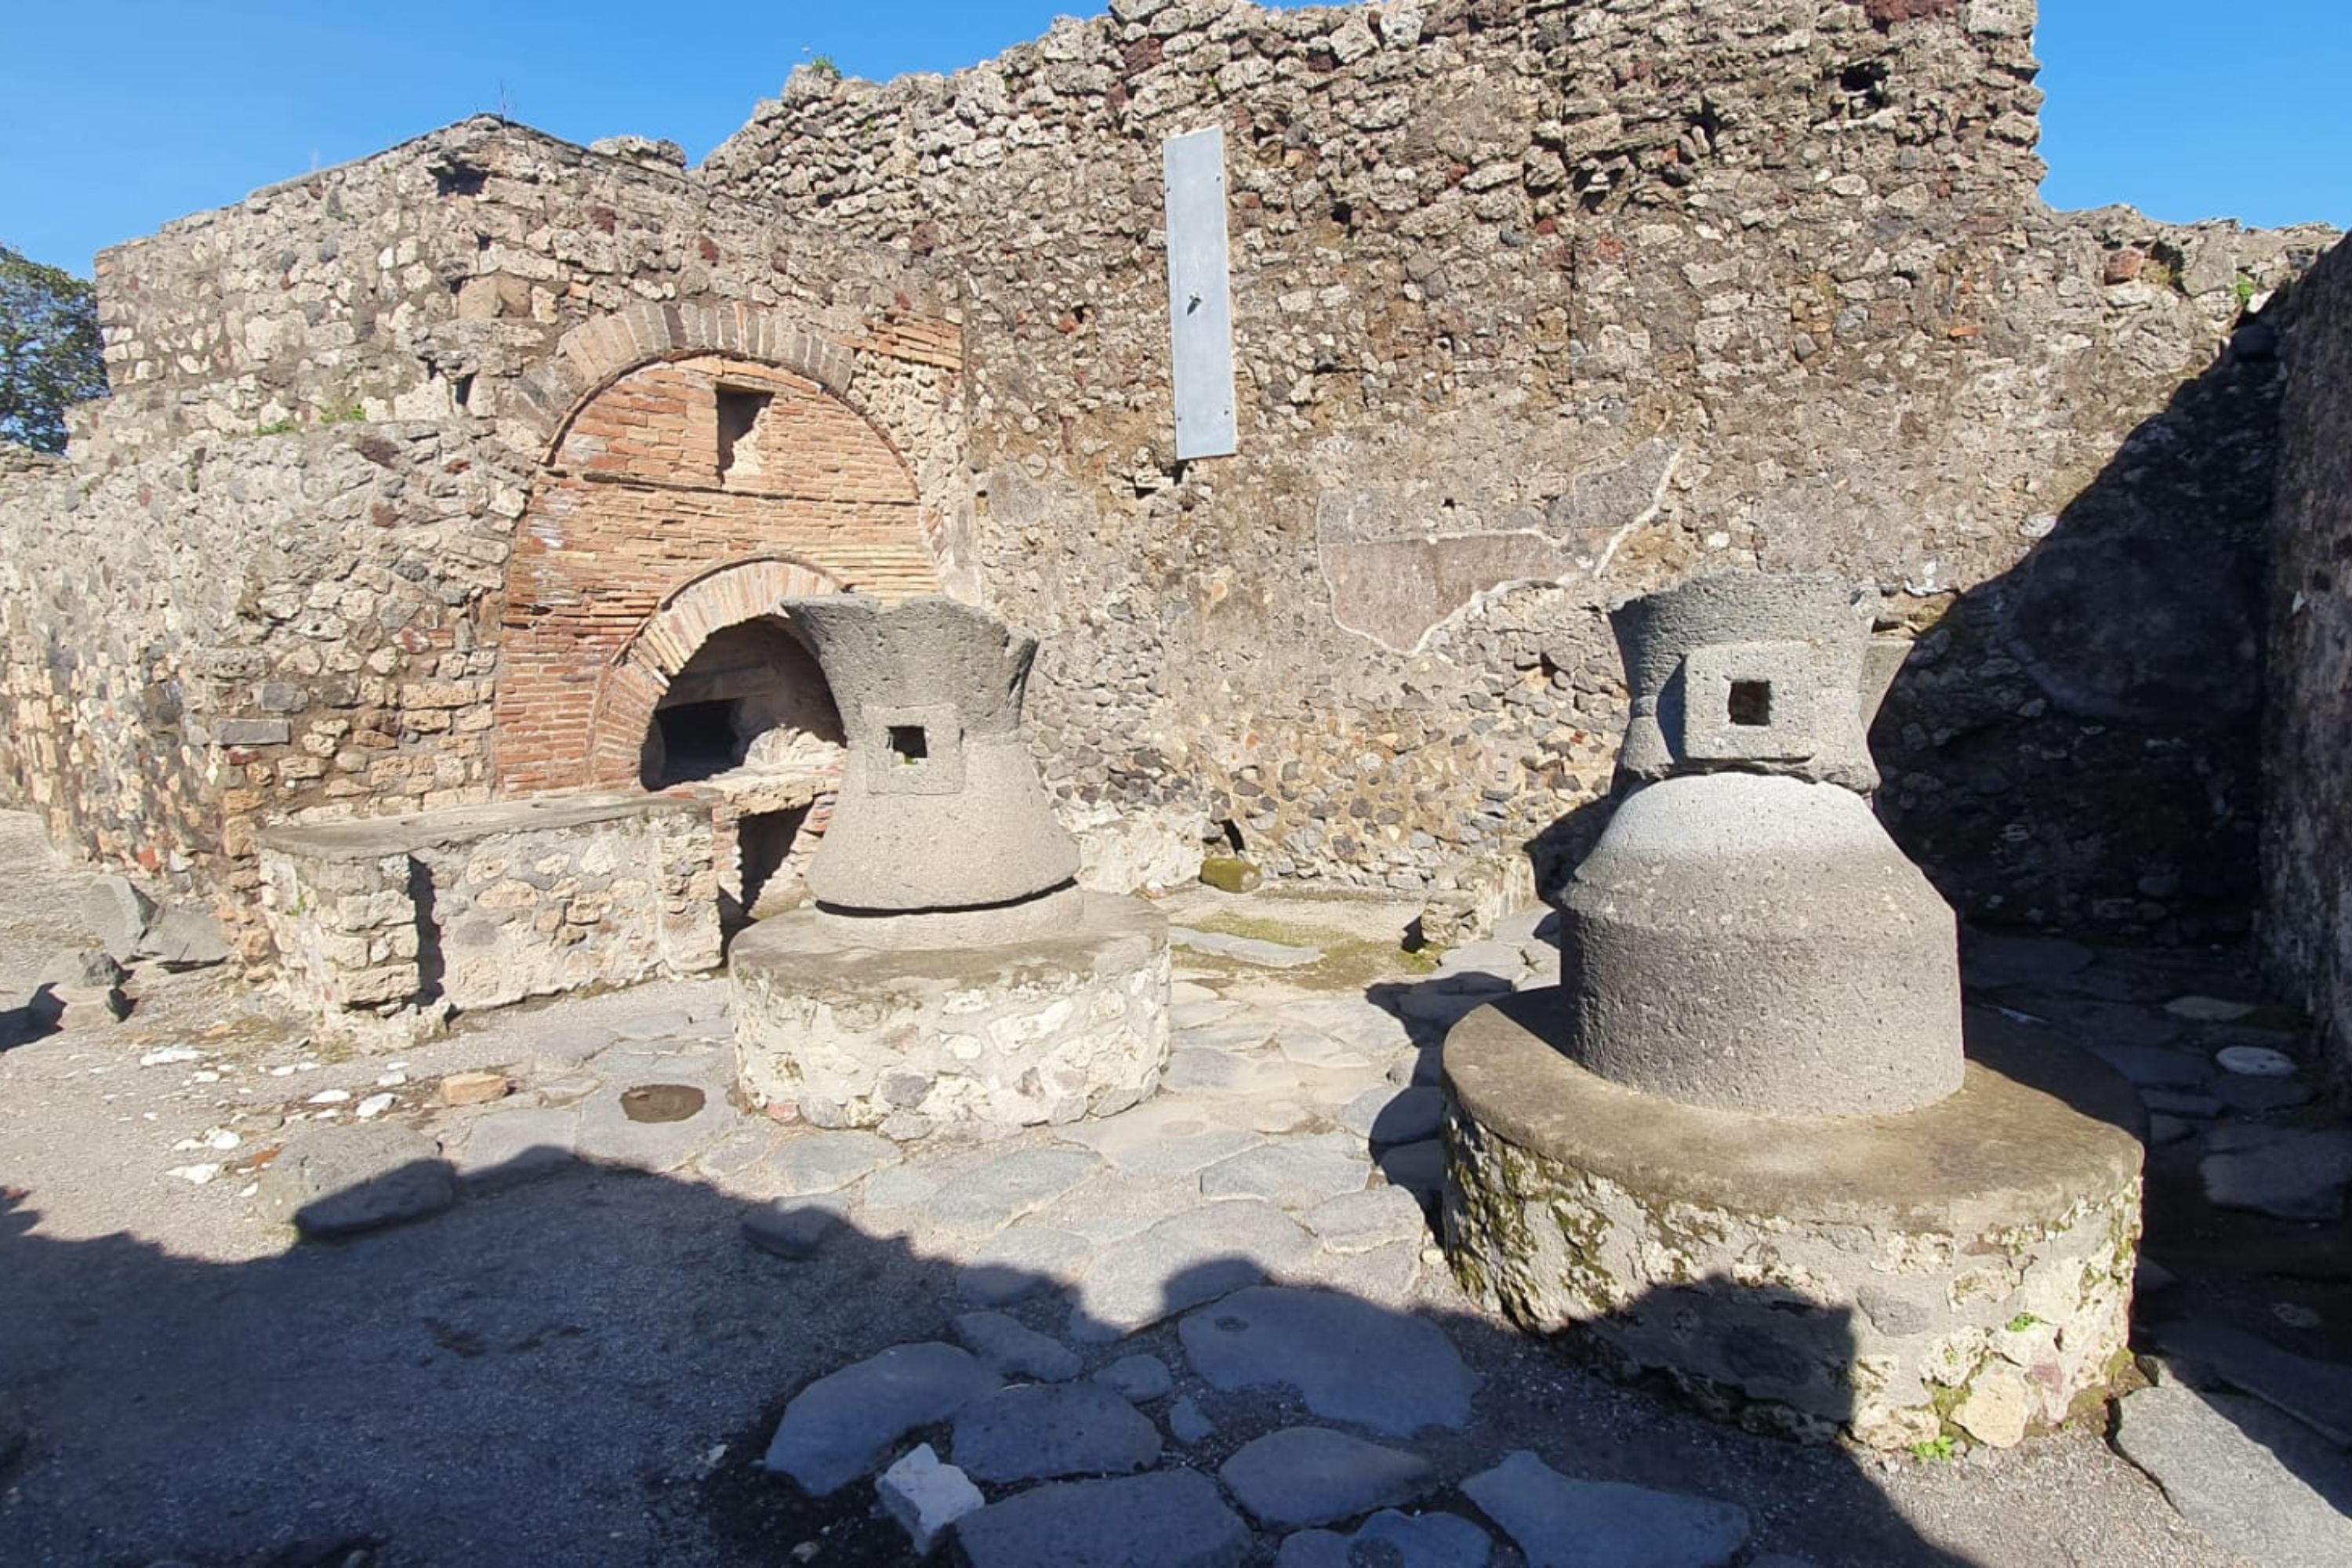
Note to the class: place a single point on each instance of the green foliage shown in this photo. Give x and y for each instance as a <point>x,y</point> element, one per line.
<point>823,65</point>
<point>2022,1321</point>
<point>349,413</point>
<point>49,357</point>
<point>276,427</point>
<point>1941,1448</point>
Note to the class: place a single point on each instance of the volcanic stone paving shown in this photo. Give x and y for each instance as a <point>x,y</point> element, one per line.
<point>1212,1330</point>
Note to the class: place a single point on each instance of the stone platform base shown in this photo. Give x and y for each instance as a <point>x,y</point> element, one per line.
<point>1963,1270</point>
<point>1051,1027</point>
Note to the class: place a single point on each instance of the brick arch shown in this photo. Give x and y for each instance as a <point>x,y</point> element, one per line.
<point>600,351</point>
<point>634,681</point>
<point>644,496</point>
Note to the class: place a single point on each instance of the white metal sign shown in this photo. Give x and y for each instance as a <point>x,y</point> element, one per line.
<point>1200,295</point>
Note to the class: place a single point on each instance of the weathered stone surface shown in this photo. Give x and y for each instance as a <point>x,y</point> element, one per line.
<point>1350,1360</point>
<point>1020,1261</point>
<point>1013,1348</point>
<point>827,1162</point>
<point>1564,1523</point>
<point>2255,1480</point>
<point>837,1428</point>
<point>477,1088</point>
<point>1163,1138</point>
<point>1392,1115</point>
<point>2317,1393</point>
<point>1423,1541</point>
<point>1035,1431</point>
<point>1374,1217</point>
<point>1172,1518</point>
<point>340,1181</point>
<point>1055,1027</point>
<point>1293,1173</point>
<point>1312,1475</point>
<point>2290,1172</point>
<point>609,1132</point>
<point>925,1496</point>
<point>1244,948</point>
<point>1182,1261</point>
<point>1139,1379</point>
<point>1003,1190</point>
<point>118,913</point>
<point>795,1229</point>
<point>516,1145</point>
<point>1995,961</point>
<point>1575,1202</point>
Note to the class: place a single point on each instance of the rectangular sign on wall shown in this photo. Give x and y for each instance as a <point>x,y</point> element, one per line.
<point>1200,296</point>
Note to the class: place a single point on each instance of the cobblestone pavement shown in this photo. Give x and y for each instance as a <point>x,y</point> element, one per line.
<point>644,1325</point>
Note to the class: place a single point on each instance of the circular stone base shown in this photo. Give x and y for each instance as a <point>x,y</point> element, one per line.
<point>1049,1028</point>
<point>1966,1266</point>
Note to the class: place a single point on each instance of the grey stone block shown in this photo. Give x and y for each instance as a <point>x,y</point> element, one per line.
<point>1139,1379</point>
<point>1564,1523</point>
<point>1350,1360</point>
<point>1039,1431</point>
<point>837,1428</point>
<point>1014,1349</point>
<point>795,1229</point>
<point>1171,1518</point>
<point>2256,1480</point>
<point>340,1181</point>
<point>1311,1475</point>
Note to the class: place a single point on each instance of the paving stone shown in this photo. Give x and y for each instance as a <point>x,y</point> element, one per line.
<point>1530,924</point>
<point>1243,949</point>
<point>519,1145</point>
<point>1139,1379</point>
<point>1361,1221</point>
<point>898,1188</point>
<point>2281,1171</point>
<point>1225,1073</point>
<point>795,1229</point>
<point>2255,1061</point>
<point>1021,1261</point>
<point>1312,1475</point>
<point>1416,1167</point>
<point>1189,1423</point>
<point>1494,956</point>
<point>1993,962</point>
<point>1009,1186</point>
<point>1392,1115</point>
<point>1350,1360</point>
<point>814,1161</point>
<point>1173,1519</point>
<point>2109,1023</point>
<point>740,1151</point>
<point>2172,1103</point>
<point>926,1496</point>
<point>1366,1026</point>
<point>2257,1095</point>
<point>1440,1007</point>
<point>1563,1523</point>
<point>2156,1067</point>
<point>1200,1014</point>
<point>2164,1131</point>
<point>2208,1009</point>
<point>1182,991</point>
<point>1037,1431</point>
<point>1182,1261</point>
<point>2259,1482</point>
<point>1162,1137</point>
<point>1393,1540</point>
<point>1240,1035</point>
<point>1293,1173</point>
<point>2317,1393</point>
<point>660,1025</point>
<point>608,1133</point>
<point>340,1181</point>
<point>1314,1048</point>
<point>835,1429</point>
<point>1015,1350</point>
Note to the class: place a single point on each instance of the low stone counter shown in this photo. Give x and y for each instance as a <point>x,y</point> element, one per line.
<point>384,925</point>
<point>1968,1264</point>
<point>1055,1027</point>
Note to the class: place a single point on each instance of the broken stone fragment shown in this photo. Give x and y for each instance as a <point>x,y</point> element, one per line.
<point>341,1181</point>
<point>474,1088</point>
<point>925,1496</point>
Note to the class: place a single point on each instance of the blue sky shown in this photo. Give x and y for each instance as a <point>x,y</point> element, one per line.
<point>120,115</point>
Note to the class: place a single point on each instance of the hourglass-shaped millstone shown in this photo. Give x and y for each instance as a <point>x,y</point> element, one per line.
<point>940,806</point>
<point>1744,935</point>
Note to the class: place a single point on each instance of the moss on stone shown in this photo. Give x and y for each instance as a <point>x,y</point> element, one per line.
<point>1230,873</point>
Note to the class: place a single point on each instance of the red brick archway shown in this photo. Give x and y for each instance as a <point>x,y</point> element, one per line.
<point>634,681</point>
<point>687,494</point>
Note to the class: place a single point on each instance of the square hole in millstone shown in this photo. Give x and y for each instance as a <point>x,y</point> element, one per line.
<point>1750,704</point>
<point>909,743</point>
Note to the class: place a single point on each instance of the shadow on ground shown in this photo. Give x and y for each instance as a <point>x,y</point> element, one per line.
<point>586,1369</point>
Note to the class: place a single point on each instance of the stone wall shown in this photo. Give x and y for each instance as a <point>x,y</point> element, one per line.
<point>1542,302</point>
<point>2307,830</point>
<point>276,578</point>
<point>389,923</point>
